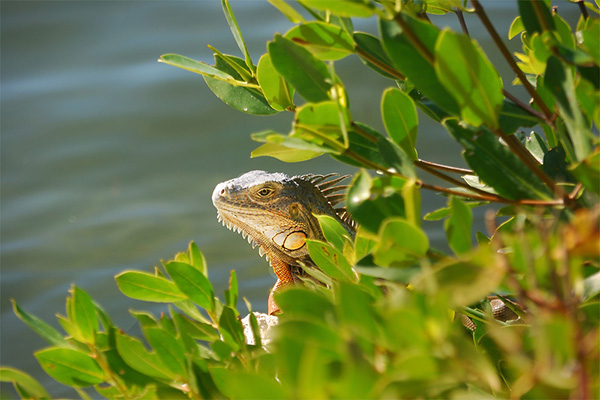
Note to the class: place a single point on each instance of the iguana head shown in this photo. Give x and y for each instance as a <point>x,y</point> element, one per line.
<point>276,211</point>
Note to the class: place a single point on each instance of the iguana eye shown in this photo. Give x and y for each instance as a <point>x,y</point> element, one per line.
<point>265,192</point>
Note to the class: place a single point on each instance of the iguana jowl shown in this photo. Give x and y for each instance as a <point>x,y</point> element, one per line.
<point>277,213</point>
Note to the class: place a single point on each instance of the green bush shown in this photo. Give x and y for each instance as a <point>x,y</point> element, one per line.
<point>384,326</point>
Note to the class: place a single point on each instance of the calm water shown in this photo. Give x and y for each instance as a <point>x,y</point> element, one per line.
<point>108,158</point>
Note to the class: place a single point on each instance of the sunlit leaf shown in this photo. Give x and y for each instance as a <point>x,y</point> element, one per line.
<point>325,41</point>
<point>399,242</point>
<point>243,98</point>
<point>400,119</point>
<point>70,367</point>
<point>330,260</point>
<point>277,91</point>
<point>84,315</point>
<point>198,67</point>
<point>231,329</point>
<point>287,10</point>
<point>373,55</point>
<point>496,164</point>
<point>137,357</point>
<point>24,383</point>
<point>47,332</point>
<point>465,71</point>
<point>168,349</point>
<point>147,287</point>
<point>343,8</point>
<point>306,73</point>
<point>193,283</point>
<point>411,63</point>
<point>458,226</point>
<point>235,30</point>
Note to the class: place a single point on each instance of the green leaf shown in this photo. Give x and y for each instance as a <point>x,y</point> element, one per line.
<point>535,17</point>
<point>70,367</point>
<point>306,73</point>
<point>458,226</point>
<point>355,309</point>
<point>411,63</point>
<point>330,260</point>
<point>246,385</point>
<point>363,144</point>
<point>231,329</point>
<point>195,66</point>
<point>147,287</point>
<point>245,74</point>
<point>137,357</point>
<point>325,41</point>
<point>399,242</point>
<point>465,71</point>
<point>197,259</point>
<point>396,158</point>
<point>412,202</point>
<point>516,27</point>
<point>560,82</point>
<point>287,10</point>
<point>25,384</point>
<point>231,294</point>
<point>83,315</point>
<point>302,302</point>
<point>47,332</point>
<point>373,55</point>
<point>463,282</point>
<point>235,30</point>
<point>370,204</point>
<point>496,164</point>
<point>322,124</point>
<point>276,90</point>
<point>169,350</point>
<point>284,153</point>
<point>399,115</point>
<point>334,232</point>
<point>343,8</point>
<point>245,98</point>
<point>193,283</point>
<point>588,172</point>
<point>286,148</point>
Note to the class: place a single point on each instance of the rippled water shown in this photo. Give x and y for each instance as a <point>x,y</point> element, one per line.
<point>108,158</point>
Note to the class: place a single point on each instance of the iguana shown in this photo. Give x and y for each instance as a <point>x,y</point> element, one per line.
<point>277,213</point>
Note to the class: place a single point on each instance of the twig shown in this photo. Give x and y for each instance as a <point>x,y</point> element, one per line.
<point>396,74</point>
<point>506,53</point>
<point>421,48</point>
<point>445,167</point>
<point>484,196</point>
<point>461,19</point>
<point>583,9</point>
<point>524,106</point>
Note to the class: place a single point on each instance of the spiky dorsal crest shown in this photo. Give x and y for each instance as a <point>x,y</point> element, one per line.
<point>329,185</point>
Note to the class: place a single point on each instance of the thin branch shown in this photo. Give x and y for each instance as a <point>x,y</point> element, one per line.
<point>380,65</point>
<point>484,196</point>
<point>447,168</point>
<point>461,19</point>
<point>583,9</point>
<point>527,159</point>
<point>412,37</point>
<point>506,53</point>
<point>524,106</point>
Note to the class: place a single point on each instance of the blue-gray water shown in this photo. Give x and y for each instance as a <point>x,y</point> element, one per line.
<point>108,158</point>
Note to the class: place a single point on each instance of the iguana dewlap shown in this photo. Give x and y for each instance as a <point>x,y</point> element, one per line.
<point>277,213</point>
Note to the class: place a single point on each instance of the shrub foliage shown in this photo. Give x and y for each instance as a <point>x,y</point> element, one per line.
<point>384,324</point>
